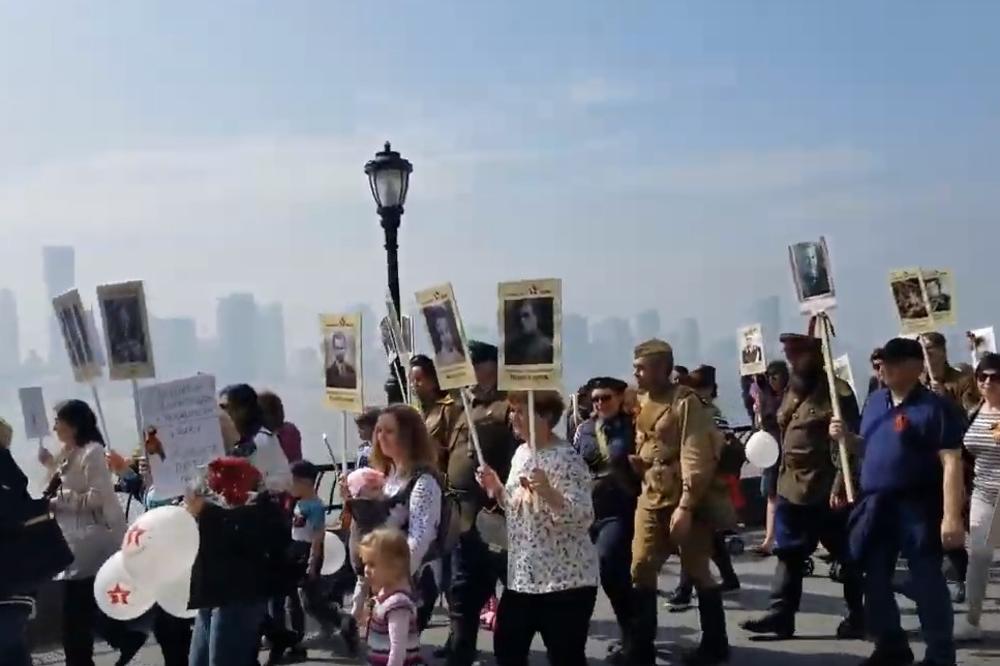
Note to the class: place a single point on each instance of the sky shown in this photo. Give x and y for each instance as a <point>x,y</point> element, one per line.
<point>651,154</point>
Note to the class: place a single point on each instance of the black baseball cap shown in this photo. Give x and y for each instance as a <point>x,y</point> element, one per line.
<point>902,349</point>
<point>482,352</point>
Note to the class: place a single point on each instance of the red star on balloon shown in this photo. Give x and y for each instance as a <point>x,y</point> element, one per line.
<point>119,595</point>
<point>132,536</point>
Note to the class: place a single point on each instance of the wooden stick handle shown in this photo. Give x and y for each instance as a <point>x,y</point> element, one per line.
<point>831,378</point>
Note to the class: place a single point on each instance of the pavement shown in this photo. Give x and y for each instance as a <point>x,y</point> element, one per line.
<point>814,644</point>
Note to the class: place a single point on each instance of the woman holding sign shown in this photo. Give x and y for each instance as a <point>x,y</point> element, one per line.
<point>552,569</point>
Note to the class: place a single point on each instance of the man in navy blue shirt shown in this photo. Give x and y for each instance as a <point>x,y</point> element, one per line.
<point>912,497</point>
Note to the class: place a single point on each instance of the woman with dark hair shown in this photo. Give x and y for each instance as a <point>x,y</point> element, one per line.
<point>440,411</point>
<point>552,565</point>
<point>766,403</point>
<point>289,437</point>
<point>257,442</point>
<point>93,522</point>
<point>404,453</point>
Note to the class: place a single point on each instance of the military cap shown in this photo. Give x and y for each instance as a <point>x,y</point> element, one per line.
<point>799,342</point>
<point>902,349</point>
<point>482,352</point>
<point>934,340</point>
<point>653,347</point>
<point>610,383</point>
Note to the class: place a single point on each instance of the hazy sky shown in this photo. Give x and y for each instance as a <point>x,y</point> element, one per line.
<point>652,154</point>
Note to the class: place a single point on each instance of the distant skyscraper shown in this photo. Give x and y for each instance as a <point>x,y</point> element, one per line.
<point>687,346</point>
<point>647,325</point>
<point>767,312</point>
<point>237,329</point>
<point>176,341</point>
<point>10,340</point>
<point>272,363</point>
<point>59,266</point>
<point>576,349</point>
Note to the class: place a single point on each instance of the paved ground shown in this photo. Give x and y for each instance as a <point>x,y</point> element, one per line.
<point>814,645</point>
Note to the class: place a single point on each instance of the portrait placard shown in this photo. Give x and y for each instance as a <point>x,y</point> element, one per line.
<point>342,340</point>
<point>939,285</point>
<point>80,343</point>
<point>126,330</point>
<point>983,341</point>
<point>751,345</point>
<point>36,419</point>
<point>183,433</point>
<point>444,326</point>
<point>910,300</point>
<point>842,370</point>
<point>812,274</point>
<point>530,319</point>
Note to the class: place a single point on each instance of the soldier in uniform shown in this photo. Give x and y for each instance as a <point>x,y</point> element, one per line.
<point>811,503</point>
<point>480,559</point>
<point>440,410</point>
<point>682,502</point>
<point>946,380</point>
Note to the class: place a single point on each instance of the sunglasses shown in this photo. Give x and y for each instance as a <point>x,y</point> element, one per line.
<point>988,376</point>
<point>599,398</point>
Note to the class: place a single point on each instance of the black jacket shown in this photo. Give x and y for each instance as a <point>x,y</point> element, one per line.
<point>242,555</point>
<point>14,510</point>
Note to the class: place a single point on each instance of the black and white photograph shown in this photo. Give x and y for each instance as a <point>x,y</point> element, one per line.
<point>78,340</point>
<point>751,345</point>
<point>812,275</point>
<point>341,335</point>
<point>444,327</point>
<point>940,288</point>
<point>126,330</point>
<point>530,321</point>
<point>910,301</point>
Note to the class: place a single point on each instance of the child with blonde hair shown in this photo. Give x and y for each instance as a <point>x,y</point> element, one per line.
<point>393,637</point>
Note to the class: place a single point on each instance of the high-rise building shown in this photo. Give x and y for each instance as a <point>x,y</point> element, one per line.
<point>687,345</point>
<point>10,340</point>
<point>767,312</point>
<point>236,325</point>
<point>272,363</point>
<point>176,346</point>
<point>59,266</point>
<point>647,325</point>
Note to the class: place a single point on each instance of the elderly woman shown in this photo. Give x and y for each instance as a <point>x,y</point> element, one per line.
<point>982,441</point>
<point>552,566</point>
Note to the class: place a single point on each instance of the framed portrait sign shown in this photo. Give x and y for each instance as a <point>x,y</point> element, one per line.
<point>444,326</point>
<point>982,341</point>
<point>77,335</point>
<point>812,274</point>
<point>342,344</point>
<point>909,297</point>
<point>126,330</point>
<point>939,285</point>
<point>751,346</point>
<point>530,320</point>
<point>842,370</point>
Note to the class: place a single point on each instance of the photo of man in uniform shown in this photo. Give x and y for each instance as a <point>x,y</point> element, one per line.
<point>76,357</point>
<point>528,332</point>
<point>752,353</point>
<point>445,337</point>
<point>126,338</point>
<point>813,273</point>
<point>937,295</point>
<point>83,332</point>
<point>340,372</point>
<point>909,299</point>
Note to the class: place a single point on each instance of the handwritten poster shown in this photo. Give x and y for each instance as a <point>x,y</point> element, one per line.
<point>183,431</point>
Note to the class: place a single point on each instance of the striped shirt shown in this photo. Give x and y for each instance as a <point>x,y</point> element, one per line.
<point>393,637</point>
<point>980,443</point>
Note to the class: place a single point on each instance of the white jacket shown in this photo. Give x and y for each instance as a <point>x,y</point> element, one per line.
<point>271,462</point>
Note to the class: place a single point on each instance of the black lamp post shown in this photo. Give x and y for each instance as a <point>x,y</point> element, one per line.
<point>389,180</point>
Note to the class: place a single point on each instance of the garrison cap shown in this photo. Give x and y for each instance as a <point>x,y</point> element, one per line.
<point>653,347</point>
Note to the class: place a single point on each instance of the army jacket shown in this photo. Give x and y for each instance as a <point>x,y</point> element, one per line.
<point>810,461</point>
<point>441,418</point>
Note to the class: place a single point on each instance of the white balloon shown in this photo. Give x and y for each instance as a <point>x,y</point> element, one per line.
<point>762,449</point>
<point>334,554</point>
<point>174,595</point>
<point>161,545</point>
<point>117,594</point>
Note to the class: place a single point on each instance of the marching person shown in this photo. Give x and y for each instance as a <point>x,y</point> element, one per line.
<point>606,441</point>
<point>440,410</point>
<point>682,503</point>
<point>479,560</point>
<point>911,503</point>
<point>552,568</point>
<point>731,459</point>
<point>289,437</point>
<point>811,502</point>
<point>257,442</point>
<point>875,381</point>
<point>982,441</point>
<point>766,406</point>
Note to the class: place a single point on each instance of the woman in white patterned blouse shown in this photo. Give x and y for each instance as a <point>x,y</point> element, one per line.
<point>551,562</point>
<point>982,440</point>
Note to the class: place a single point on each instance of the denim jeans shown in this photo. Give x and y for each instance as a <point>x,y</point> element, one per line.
<point>13,640</point>
<point>931,594</point>
<point>227,636</point>
<point>613,538</point>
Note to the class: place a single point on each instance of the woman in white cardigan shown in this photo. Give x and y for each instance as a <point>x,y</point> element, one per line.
<point>85,505</point>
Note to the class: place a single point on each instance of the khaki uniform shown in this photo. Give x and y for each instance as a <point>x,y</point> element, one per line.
<point>679,445</point>
<point>441,417</point>
<point>810,460</point>
<point>961,388</point>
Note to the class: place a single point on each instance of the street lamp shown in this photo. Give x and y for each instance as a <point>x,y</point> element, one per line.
<point>389,180</point>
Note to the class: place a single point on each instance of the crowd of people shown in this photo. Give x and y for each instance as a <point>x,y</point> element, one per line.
<point>495,509</point>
